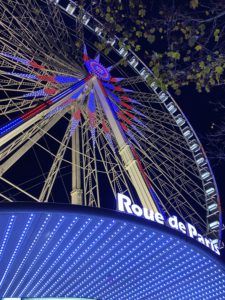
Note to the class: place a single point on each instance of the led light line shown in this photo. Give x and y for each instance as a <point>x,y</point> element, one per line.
<point>68,259</point>
<point>48,257</point>
<point>52,234</point>
<point>106,258</point>
<point>22,237</point>
<point>18,121</point>
<point>28,252</point>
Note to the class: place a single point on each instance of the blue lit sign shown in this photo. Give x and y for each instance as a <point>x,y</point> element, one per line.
<point>124,204</point>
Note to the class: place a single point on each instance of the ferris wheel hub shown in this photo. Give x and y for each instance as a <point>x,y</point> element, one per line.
<point>98,70</point>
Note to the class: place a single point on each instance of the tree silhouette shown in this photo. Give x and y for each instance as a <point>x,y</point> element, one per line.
<point>181,41</point>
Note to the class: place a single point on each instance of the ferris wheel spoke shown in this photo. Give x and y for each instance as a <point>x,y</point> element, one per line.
<point>90,174</point>
<point>24,142</point>
<point>64,33</point>
<point>12,107</point>
<point>115,171</point>
<point>16,187</point>
<point>49,181</point>
<point>77,191</point>
<point>125,151</point>
<point>29,25</point>
<point>15,127</point>
<point>161,166</point>
<point>132,80</point>
<point>165,152</point>
<point>161,145</point>
<point>5,198</point>
<point>8,46</point>
<point>118,176</point>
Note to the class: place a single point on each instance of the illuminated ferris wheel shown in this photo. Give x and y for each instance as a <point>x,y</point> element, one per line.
<point>78,127</point>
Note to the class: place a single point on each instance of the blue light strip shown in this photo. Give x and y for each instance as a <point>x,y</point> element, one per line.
<point>34,94</point>
<point>78,259</point>
<point>18,121</point>
<point>48,257</point>
<point>91,102</point>
<point>114,97</point>
<point>65,79</point>
<point>35,260</point>
<point>33,244</point>
<point>67,251</point>
<point>13,257</point>
<point>93,253</point>
<point>6,235</point>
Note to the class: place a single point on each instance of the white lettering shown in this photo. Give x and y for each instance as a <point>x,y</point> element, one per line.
<point>149,214</point>
<point>159,218</point>
<point>137,210</point>
<point>216,247</point>
<point>191,231</point>
<point>200,239</point>
<point>173,222</point>
<point>182,227</point>
<point>124,203</point>
<point>207,243</point>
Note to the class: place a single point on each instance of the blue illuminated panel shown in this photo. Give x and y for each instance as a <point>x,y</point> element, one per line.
<point>74,251</point>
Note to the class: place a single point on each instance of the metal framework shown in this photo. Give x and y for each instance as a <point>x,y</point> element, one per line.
<point>67,133</point>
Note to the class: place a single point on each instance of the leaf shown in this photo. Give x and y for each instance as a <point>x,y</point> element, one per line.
<point>170,66</point>
<point>118,28</point>
<point>198,47</point>
<point>202,27</point>
<point>36,11</point>
<point>216,34</point>
<point>142,12</point>
<point>212,81</point>
<point>109,18</point>
<point>207,89</point>
<point>174,54</point>
<point>124,62</point>
<point>107,51</point>
<point>189,76</point>
<point>202,64</point>
<point>137,47</point>
<point>155,70</point>
<point>151,38</point>
<point>194,4</point>
<point>138,34</point>
<point>207,70</point>
<point>219,70</point>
